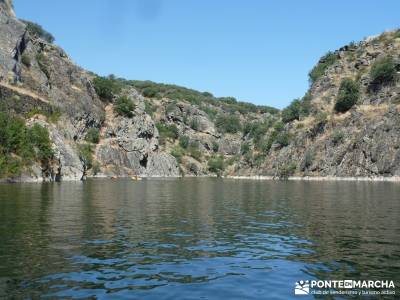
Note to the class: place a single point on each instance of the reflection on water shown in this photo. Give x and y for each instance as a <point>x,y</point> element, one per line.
<point>194,238</point>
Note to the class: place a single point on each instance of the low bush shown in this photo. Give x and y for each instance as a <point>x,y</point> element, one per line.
<point>264,145</point>
<point>283,139</point>
<point>52,116</point>
<point>184,141</point>
<point>38,31</point>
<point>149,108</point>
<point>228,124</point>
<point>167,132</point>
<point>307,160</point>
<point>195,124</point>
<point>286,170</point>
<point>216,164</point>
<point>178,152</point>
<point>256,130</point>
<point>20,146</point>
<point>245,148</point>
<point>44,63</point>
<point>106,87</point>
<point>40,140</point>
<point>26,60</point>
<point>150,92</point>
<point>124,106</point>
<point>194,168</point>
<point>347,96</point>
<point>85,152</point>
<point>194,150</point>
<point>258,159</point>
<point>383,71</point>
<point>297,109</point>
<point>215,146</point>
<point>93,135</point>
<point>211,112</point>
<point>337,137</point>
<point>325,62</point>
<point>278,127</point>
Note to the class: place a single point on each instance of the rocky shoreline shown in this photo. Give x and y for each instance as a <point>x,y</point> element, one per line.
<point>320,178</point>
<point>256,178</point>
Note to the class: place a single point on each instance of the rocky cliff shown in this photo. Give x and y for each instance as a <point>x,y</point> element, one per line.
<point>115,127</point>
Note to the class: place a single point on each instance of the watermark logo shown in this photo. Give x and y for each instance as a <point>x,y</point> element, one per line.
<point>302,287</point>
<point>344,287</point>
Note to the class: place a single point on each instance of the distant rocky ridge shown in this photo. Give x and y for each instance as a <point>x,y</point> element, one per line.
<point>172,131</point>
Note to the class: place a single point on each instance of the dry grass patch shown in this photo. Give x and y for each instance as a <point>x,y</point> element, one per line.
<point>373,110</point>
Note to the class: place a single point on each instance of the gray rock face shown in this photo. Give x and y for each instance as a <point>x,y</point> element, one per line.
<point>161,165</point>
<point>230,145</point>
<point>11,32</point>
<point>130,146</point>
<point>7,7</point>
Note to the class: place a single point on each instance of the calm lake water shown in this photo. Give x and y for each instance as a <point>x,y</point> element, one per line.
<point>193,238</point>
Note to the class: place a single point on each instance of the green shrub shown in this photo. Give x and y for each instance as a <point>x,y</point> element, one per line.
<point>347,96</point>
<point>38,31</point>
<point>249,157</point>
<point>297,109</point>
<point>96,168</point>
<point>149,108</point>
<point>194,150</point>
<point>124,106</point>
<point>292,112</point>
<point>178,152</point>
<point>286,170</point>
<point>216,164</point>
<point>167,132</point>
<point>195,125</point>
<point>21,146</point>
<point>337,136</point>
<point>93,135</point>
<point>245,148</point>
<point>264,145</point>
<point>106,87</point>
<point>52,116</point>
<point>321,117</point>
<point>232,160</point>
<point>258,159</point>
<point>308,159</point>
<point>39,137</point>
<point>326,61</point>
<point>184,141</point>
<point>194,168</point>
<point>283,139</point>
<point>211,112</point>
<point>150,92</point>
<point>228,124</point>
<point>257,130</point>
<point>278,127</point>
<point>171,107</point>
<point>26,60</point>
<point>85,152</point>
<point>44,63</point>
<point>215,146</point>
<point>158,90</point>
<point>383,71</point>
